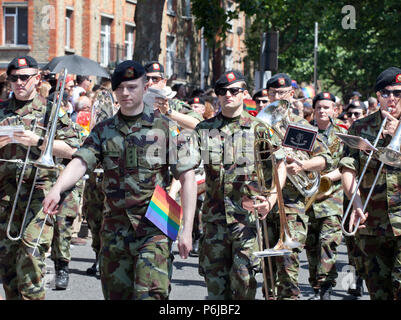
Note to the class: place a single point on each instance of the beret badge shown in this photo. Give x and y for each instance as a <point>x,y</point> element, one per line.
<point>22,62</point>
<point>231,77</point>
<point>129,73</point>
<point>398,78</point>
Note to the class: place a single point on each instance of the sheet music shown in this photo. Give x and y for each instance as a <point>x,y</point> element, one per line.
<point>356,142</point>
<point>9,131</point>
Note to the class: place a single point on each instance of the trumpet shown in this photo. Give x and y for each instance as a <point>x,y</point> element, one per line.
<point>389,155</point>
<point>275,115</point>
<point>44,162</point>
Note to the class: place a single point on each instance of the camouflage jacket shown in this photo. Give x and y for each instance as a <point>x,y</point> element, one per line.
<point>37,110</point>
<point>294,201</point>
<point>227,151</point>
<point>384,207</point>
<point>134,159</point>
<point>332,204</point>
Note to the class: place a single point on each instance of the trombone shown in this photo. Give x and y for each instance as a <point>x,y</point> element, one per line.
<point>44,162</point>
<point>389,155</point>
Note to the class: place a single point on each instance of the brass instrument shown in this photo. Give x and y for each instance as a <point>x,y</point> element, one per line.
<point>325,189</point>
<point>389,155</point>
<point>44,162</point>
<point>275,115</point>
<point>285,242</point>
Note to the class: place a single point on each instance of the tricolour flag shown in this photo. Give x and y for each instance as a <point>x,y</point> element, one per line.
<point>165,213</point>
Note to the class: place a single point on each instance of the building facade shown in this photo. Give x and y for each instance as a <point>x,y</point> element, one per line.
<point>104,31</point>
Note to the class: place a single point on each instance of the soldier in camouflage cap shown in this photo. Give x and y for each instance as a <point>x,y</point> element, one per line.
<point>378,242</point>
<point>324,230</point>
<point>229,224</point>
<point>22,272</point>
<point>133,148</point>
<point>287,267</point>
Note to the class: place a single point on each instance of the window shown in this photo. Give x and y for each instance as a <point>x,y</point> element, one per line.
<point>186,8</point>
<point>228,63</point>
<point>230,8</point>
<point>188,56</point>
<point>15,25</point>
<point>170,56</point>
<point>68,17</point>
<point>129,42</point>
<point>105,35</point>
<point>170,7</point>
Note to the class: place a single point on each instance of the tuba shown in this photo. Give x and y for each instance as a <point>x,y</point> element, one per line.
<point>275,115</point>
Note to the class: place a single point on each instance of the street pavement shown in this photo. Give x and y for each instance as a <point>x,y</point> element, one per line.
<point>187,284</point>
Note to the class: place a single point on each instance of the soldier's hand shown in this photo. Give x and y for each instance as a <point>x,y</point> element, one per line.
<point>266,204</point>
<point>391,124</point>
<point>4,140</point>
<point>162,105</point>
<point>26,137</point>
<point>355,215</point>
<point>293,165</point>
<point>185,243</point>
<point>51,202</point>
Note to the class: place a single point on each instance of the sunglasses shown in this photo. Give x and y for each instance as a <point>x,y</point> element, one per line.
<point>386,93</point>
<point>22,77</point>
<point>233,91</point>
<point>272,93</point>
<point>261,101</point>
<point>356,114</point>
<point>154,79</point>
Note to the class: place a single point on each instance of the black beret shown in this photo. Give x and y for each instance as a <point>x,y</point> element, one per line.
<point>323,96</point>
<point>356,104</point>
<point>279,80</point>
<point>260,93</point>
<point>388,77</point>
<point>228,78</point>
<point>196,100</point>
<point>154,66</point>
<point>125,71</point>
<point>22,62</point>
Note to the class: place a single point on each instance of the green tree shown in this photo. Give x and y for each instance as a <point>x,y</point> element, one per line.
<point>348,59</point>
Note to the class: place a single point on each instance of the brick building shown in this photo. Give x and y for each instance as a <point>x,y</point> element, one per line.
<point>104,31</point>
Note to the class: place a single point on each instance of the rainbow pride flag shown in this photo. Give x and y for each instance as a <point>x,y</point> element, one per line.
<point>165,213</point>
<point>309,92</point>
<point>249,105</point>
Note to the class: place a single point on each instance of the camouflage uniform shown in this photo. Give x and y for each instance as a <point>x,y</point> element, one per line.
<point>287,267</point>
<point>324,229</point>
<point>229,231</point>
<point>377,252</point>
<point>135,256</point>
<point>21,272</point>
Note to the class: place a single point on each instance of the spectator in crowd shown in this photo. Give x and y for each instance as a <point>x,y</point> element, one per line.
<point>372,105</point>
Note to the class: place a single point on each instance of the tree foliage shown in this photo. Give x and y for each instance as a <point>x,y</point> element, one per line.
<point>348,59</point>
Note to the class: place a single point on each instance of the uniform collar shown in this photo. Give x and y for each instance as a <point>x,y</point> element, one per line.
<point>146,120</point>
<point>36,104</point>
<point>245,119</point>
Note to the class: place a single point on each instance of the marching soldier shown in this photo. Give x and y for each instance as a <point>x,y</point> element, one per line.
<point>21,271</point>
<point>324,228</point>
<point>229,229</point>
<point>135,256</point>
<point>377,243</point>
<point>261,97</point>
<point>287,267</point>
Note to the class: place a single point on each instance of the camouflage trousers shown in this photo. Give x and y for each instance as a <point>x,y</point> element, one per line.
<point>68,211</point>
<point>323,238</point>
<point>92,209</point>
<point>21,272</point>
<point>378,260</point>
<point>286,268</point>
<point>226,261</point>
<point>135,268</point>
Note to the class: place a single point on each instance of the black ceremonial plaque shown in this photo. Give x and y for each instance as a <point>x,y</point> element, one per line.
<point>300,137</point>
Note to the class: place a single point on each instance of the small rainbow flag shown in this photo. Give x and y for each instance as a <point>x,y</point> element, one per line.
<point>249,105</point>
<point>308,91</point>
<point>165,213</point>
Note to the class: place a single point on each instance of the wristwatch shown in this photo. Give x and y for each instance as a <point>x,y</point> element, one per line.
<point>40,142</point>
<point>169,111</point>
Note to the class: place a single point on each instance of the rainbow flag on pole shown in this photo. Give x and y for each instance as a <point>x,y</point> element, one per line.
<point>165,213</point>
